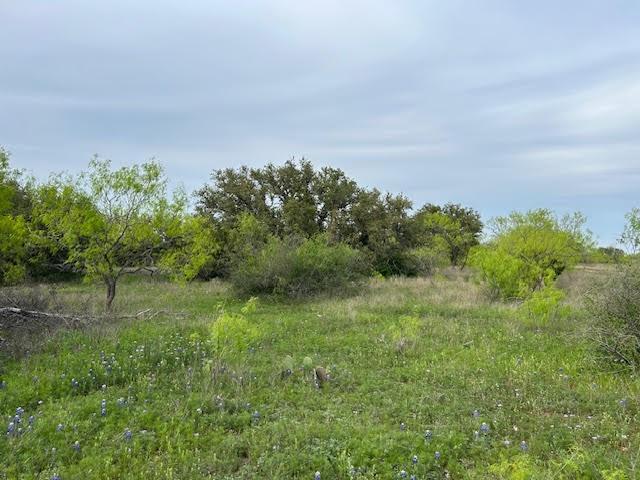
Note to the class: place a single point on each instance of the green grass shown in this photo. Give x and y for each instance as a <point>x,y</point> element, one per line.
<point>191,408</point>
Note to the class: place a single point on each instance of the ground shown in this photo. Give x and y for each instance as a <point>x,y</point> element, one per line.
<point>501,397</point>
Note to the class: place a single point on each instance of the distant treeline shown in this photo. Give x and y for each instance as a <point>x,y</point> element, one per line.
<point>288,228</point>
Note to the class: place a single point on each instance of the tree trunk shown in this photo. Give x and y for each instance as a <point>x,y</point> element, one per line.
<point>111,292</point>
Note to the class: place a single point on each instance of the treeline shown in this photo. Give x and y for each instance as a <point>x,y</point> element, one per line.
<point>286,229</point>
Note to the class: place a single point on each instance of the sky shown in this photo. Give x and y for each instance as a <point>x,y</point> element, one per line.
<point>498,105</point>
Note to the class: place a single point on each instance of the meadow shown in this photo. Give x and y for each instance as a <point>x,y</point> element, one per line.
<point>427,379</point>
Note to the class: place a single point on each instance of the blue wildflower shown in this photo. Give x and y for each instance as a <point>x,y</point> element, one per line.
<point>484,428</point>
<point>476,413</point>
<point>428,434</point>
<point>55,477</point>
<point>524,446</point>
<point>403,427</point>
<point>403,474</point>
<point>414,459</point>
<point>437,455</point>
<point>60,427</point>
<point>127,435</point>
<point>316,476</point>
<point>76,446</point>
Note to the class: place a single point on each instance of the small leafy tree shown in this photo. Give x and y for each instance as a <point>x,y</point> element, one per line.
<point>631,235</point>
<point>529,250</point>
<point>113,222</point>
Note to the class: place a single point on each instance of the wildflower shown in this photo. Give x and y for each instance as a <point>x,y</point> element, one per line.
<point>623,403</point>
<point>121,402</point>
<point>524,446</point>
<point>74,383</point>
<point>403,474</point>
<point>127,435</point>
<point>32,419</point>
<point>55,477</point>
<point>413,477</point>
<point>414,459</point>
<point>199,411</point>
<point>3,385</point>
<point>76,446</point>
<point>507,443</point>
<point>484,428</point>
<point>476,413</point>
<point>11,429</point>
<point>19,411</point>
<point>60,427</point>
<point>403,427</point>
<point>316,476</point>
<point>256,416</point>
<point>437,455</point>
<point>428,435</point>
<point>476,435</point>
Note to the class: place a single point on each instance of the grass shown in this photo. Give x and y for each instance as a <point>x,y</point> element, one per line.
<point>180,406</point>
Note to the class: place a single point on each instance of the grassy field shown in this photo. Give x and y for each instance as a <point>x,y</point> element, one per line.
<point>427,378</point>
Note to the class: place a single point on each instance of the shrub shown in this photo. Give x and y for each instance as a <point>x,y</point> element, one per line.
<point>615,310</point>
<point>423,261</point>
<point>293,267</point>
<point>234,332</point>
<point>544,306</point>
<point>528,251</point>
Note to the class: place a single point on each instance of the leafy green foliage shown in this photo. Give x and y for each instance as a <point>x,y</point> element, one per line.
<point>631,235</point>
<point>529,250</point>
<point>294,267</point>
<point>453,226</point>
<point>544,307</point>
<point>234,333</point>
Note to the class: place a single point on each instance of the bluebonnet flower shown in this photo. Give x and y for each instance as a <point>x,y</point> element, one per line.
<point>413,477</point>
<point>121,402</point>
<point>524,446</point>
<point>11,429</point>
<point>19,411</point>
<point>437,455</point>
<point>3,384</point>
<point>403,427</point>
<point>74,383</point>
<point>127,435</point>
<point>484,428</point>
<point>55,477</point>
<point>32,419</point>
<point>316,476</point>
<point>428,434</point>
<point>414,459</point>
<point>60,427</point>
<point>256,416</point>
<point>476,435</point>
<point>103,408</point>
<point>403,474</point>
<point>623,403</point>
<point>76,446</point>
<point>476,413</point>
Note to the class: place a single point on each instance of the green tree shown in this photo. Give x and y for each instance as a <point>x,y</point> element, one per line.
<point>529,250</point>
<point>458,227</point>
<point>14,233</point>
<point>112,222</point>
<point>631,234</point>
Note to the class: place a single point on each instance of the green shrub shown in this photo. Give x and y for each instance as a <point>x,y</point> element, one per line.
<point>294,267</point>
<point>234,332</point>
<point>615,310</point>
<point>544,306</point>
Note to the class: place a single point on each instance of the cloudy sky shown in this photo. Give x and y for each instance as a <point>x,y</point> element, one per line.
<point>500,105</point>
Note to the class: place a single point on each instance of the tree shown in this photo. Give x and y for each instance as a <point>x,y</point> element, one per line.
<point>111,222</point>
<point>458,227</point>
<point>631,234</point>
<point>14,234</point>
<point>529,250</point>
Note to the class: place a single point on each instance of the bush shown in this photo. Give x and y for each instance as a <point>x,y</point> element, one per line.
<point>544,306</point>
<point>504,275</point>
<point>294,267</point>
<point>615,309</point>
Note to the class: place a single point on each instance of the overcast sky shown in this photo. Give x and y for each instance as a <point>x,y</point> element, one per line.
<point>499,105</point>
